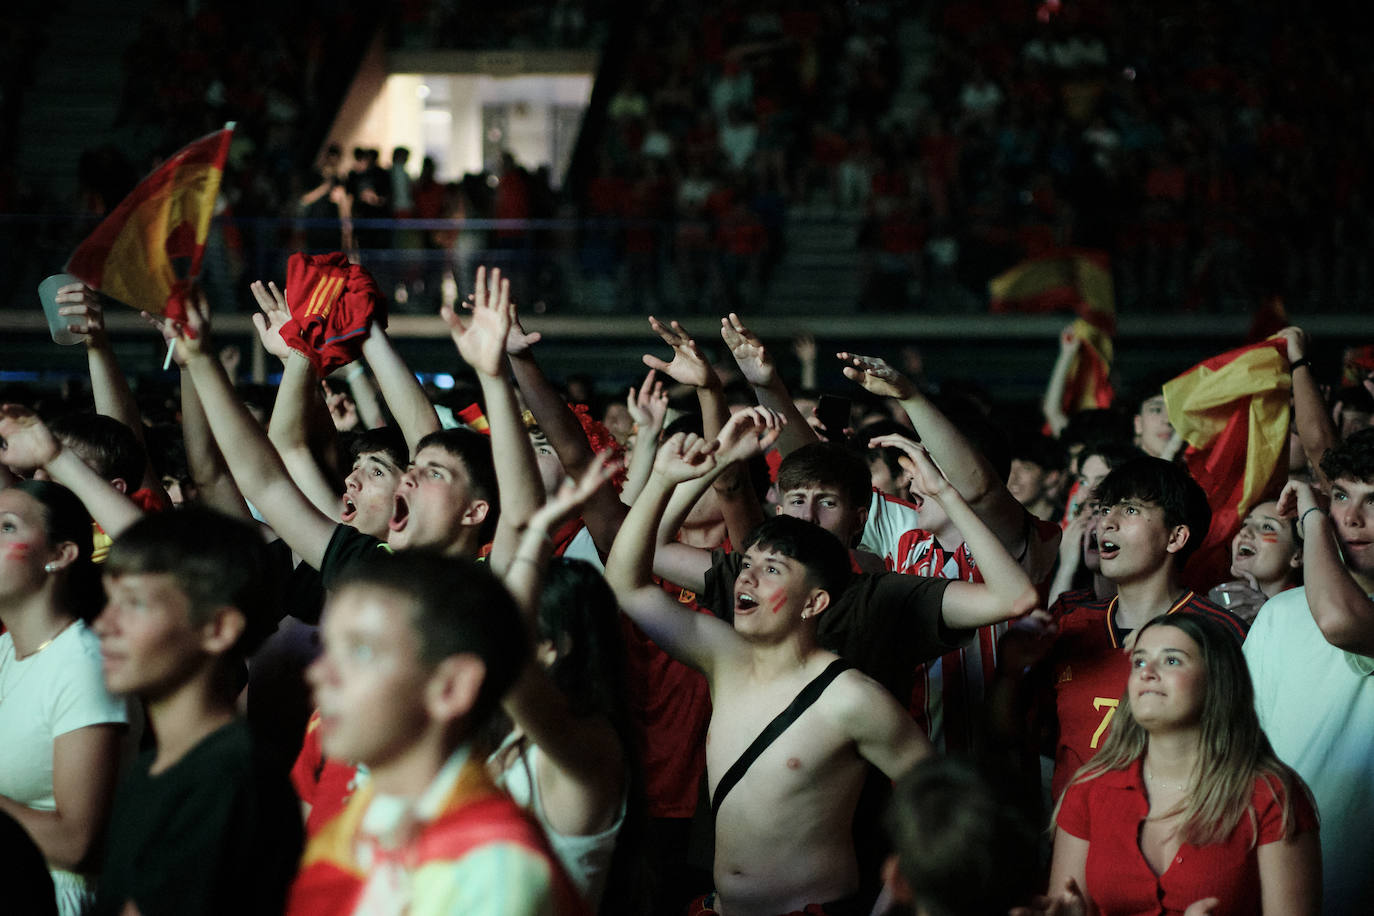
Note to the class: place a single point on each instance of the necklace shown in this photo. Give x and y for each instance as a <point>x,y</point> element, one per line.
<point>1151,780</point>
<point>12,658</point>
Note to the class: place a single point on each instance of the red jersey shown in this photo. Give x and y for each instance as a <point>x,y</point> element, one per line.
<point>1090,667</point>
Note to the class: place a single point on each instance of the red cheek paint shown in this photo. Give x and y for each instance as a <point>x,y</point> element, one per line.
<point>777,605</point>
<point>18,551</point>
<point>1269,537</point>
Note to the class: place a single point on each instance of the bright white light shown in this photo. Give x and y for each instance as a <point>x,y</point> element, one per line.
<point>443,381</point>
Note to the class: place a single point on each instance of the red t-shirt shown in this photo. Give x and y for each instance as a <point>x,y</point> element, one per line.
<point>1090,668</point>
<point>1107,812</point>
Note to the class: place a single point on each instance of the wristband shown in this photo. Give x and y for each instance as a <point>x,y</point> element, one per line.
<point>1302,522</point>
<point>1297,364</point>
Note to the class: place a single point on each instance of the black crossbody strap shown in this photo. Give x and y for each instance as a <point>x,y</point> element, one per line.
<point>800,704</point>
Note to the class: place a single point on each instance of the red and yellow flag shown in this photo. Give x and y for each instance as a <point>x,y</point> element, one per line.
<point>1077,280</point>
<point>1072,279</point>
<point>1232,410</point>
<point>147,252</point>
<point>1088,385</point>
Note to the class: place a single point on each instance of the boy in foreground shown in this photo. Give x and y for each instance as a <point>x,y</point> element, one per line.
<point>203,823</point>
<point>792,724</point>
<point>418,651</point>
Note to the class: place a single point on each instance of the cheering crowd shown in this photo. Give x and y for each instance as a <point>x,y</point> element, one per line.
<point>736,649</point>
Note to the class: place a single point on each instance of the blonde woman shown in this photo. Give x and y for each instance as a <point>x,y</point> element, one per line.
<point>1185,809</point>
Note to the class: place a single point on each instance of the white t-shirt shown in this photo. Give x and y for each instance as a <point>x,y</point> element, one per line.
<point>1316,702</point>
<point>43,696</point>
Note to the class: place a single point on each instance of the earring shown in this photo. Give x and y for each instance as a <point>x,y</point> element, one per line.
<point>50,567</point>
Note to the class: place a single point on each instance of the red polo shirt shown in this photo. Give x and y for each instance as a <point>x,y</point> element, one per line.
<point>1107,812</point>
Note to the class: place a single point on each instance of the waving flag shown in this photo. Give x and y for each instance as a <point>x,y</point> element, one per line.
<point>1088,385</point>
<point>1073,279</point>
<point>1232,410</point>
<point>147,252</point>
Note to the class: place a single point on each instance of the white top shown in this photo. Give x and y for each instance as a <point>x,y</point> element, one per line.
<point>1316,702</point>
<point>47,694</point>
<point>586,859</point>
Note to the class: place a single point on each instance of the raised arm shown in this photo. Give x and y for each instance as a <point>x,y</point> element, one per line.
<point>970,472</point>
<point>648,407</point>
<point>584,751</point>
<point>414,414</point>
<point>254,463</point>
<point>81,306</point>
<point>697,639</point>
<point>604,511</point>
<point>1006,591</point>
<point>26,444</point>
<point>1053,404</point>
<point>757,366</point>
<point>1316,430</point>
<point>481,341</point>
<point>1339,604</point>
<point>214,484</point>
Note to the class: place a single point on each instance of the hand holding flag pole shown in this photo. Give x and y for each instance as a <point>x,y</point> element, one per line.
<point>147,253</point>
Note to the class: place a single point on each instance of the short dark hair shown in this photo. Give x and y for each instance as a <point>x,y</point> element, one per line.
<point>458,606</point>
<point>107,445</point>
<point>825,558</point>
<point>828,464</point>
<point>473,449</point>
<point>1113,453</point>
<point>214,559</point>
<point>389,440</point>
<point>1040,450</point>
<point>960,848</point>
<point>1154,480</point>
<point>1352,459</point>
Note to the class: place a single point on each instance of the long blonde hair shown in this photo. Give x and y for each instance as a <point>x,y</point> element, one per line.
<point>1233,750</point>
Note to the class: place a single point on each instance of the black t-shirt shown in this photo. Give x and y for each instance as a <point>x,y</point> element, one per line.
<point>346,546</point>
<point>219,832</point>
<point>885,623</point>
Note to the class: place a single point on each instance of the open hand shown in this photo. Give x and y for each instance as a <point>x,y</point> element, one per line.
<point>685,456</point>
<point>690,365</point>
<point>481,338</point>
<point>648,405</point>
<point>1069,901</point>
<point>273,316</point>
<point>571,495</point>
<point>25,440</point>
<point>748,433</point>
<point>876,376</point>
<point>518,340</point>
<point>749,353</point>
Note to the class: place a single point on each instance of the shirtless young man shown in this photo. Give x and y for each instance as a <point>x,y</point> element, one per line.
<point>783,837</point>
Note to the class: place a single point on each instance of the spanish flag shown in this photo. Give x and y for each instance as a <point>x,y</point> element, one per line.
<point>1072,279</point>
<point>1077,280</point>
<point>1088,385</point>
<point>1232,410</point>
<point>147,252</point>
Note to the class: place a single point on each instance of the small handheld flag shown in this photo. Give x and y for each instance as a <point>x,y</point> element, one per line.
<point>147,252</point>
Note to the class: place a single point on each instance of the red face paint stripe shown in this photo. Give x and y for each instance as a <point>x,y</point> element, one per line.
<point>777,605</point>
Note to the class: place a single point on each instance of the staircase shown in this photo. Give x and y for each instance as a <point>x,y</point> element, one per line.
<point>75,93</point>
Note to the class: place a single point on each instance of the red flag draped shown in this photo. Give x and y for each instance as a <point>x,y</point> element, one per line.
<point>147,252</point>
